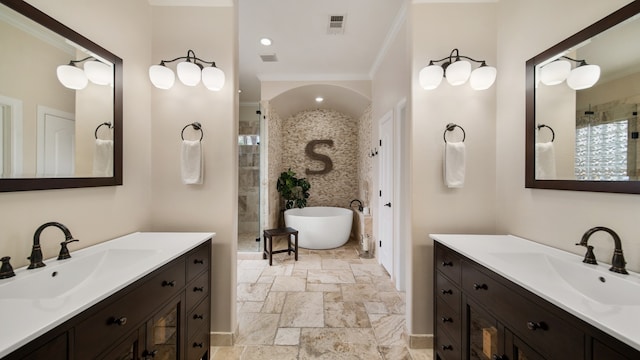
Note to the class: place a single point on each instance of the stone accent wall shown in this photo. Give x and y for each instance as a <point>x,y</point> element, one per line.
<point>339,186</point>
<point>275,149</point>
<point>365,161</point>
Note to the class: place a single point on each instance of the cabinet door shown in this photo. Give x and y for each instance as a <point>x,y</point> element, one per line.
<point>518,349</point>
<point>164,333</point>
<point>55,349</point>
<point>127,349</point>
<point>484,334</point>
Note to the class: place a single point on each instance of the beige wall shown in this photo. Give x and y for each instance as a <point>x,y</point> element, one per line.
<point>556,218</point>
<point>437,29</point>
<point>94,214</point>
<point>213,205</point>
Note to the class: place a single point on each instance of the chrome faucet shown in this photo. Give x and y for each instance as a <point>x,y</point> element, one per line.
<point>36,252</point>
<point>617,263</point>
<point>360,208</point>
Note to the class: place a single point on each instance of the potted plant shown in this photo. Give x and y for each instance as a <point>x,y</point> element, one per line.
<point>294,191</point>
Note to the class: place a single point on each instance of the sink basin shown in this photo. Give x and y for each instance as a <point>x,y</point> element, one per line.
<point>592,281</point>
<point>62,278</point>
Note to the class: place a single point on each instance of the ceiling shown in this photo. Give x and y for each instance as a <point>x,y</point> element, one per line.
<point>304,48</point>
<point>306,51</point>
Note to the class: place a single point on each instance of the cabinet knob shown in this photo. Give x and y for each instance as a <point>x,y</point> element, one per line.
<point>150,354</point>
<point>447,263</point>
<point>198,317</point>
<point>446,347</point>
<point>198,289</point>
<point>480,286</point>
<point>198,345</point>
<point>120,321</point>
<point>447,319</point>
<point>533,326</point>
<point>445,292</point>
<point>198,261</point>
<point>166,283</point>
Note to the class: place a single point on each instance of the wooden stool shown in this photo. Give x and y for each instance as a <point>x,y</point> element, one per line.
<point>268,242</point>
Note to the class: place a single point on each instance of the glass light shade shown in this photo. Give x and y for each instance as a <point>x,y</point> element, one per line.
<point>213,78</point>
<point>458,72</point>
<point>431,76</point>
<point>72,77</point>
<point>583,77</point>
<point>98,72</point>
<point>555,72</point>
<point>189,73</point>
<point>483,77</point>
<point>161,76</point>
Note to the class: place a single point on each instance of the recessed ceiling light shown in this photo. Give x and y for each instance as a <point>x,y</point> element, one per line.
<point>265,41</point>
<point>319,99</point>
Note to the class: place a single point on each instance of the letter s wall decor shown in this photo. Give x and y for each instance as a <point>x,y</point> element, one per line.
<point>310,151</point>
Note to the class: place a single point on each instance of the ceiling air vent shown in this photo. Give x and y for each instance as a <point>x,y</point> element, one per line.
<point>269,57</point>
<point>336,24</point>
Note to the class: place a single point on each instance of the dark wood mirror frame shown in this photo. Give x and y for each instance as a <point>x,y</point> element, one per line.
<point>22,184</point>
<point>629,187</point>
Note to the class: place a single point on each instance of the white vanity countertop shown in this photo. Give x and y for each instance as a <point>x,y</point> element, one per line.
<point>523,262</point>
<point>27,316</point>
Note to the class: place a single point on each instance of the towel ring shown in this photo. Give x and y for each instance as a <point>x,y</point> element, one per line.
<point>553,133</point>
<point>108,124</point>
<point>451,127</point>
<point>196,126</point>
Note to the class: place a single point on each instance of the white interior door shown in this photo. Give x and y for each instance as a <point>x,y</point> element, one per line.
<point>56,143</point>
<point>386,240</point>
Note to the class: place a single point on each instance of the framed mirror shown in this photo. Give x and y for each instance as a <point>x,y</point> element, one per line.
<point>60,105</point>
<point>582,103</point>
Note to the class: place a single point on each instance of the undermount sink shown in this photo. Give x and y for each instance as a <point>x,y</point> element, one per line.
<point>61,278</point>
<point>595,282</point>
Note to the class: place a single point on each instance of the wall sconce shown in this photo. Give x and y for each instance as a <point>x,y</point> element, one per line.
<point>583,76</point>
<point>190,72</point>
<point>73,77</point>
<point>457,72</point>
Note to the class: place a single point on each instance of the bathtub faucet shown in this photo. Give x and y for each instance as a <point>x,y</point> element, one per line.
<point>359,204</point>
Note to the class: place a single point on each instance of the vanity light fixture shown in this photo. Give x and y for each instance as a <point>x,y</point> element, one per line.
<point>457,70</point>
<point>190,72</point>
<point>583,76</point>
<point>73,77</point>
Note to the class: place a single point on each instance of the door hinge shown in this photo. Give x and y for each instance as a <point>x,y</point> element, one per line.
<point>380,243</point>
<point>380,193</point>
<point>380,142</point>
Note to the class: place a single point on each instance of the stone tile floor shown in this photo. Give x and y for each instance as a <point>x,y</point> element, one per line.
<point>331,304</point>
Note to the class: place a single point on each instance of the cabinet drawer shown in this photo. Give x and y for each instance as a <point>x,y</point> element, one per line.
<point>198,317</point>
<point>197,290</point>
<point>446,290</point>
<point>535,325</point>
<point>446,348</point>
<point>128,311</point>
<point>198,346</point>
<point>198,261</point>
<point>448,320</point>
<point>448,263</point>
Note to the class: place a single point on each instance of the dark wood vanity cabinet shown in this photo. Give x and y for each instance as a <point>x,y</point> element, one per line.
<point>479,314</point>
<point>165,315</point>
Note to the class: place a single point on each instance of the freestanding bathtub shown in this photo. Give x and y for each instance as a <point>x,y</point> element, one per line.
<point>320,227</point>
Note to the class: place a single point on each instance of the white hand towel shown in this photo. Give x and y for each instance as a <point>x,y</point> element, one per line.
<point>103,158</point>
<point>545,161</point>
<point>454,164</point>
<point>192,162</point>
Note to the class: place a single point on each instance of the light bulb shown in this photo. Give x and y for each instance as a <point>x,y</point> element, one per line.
<point>72,77</point>
<point>189,73</point>
<point>431,76</point>
<point>458,72</point>
<point>161,76</point>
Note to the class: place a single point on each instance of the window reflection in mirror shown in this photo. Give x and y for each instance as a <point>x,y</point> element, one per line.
<point>48,130</point>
